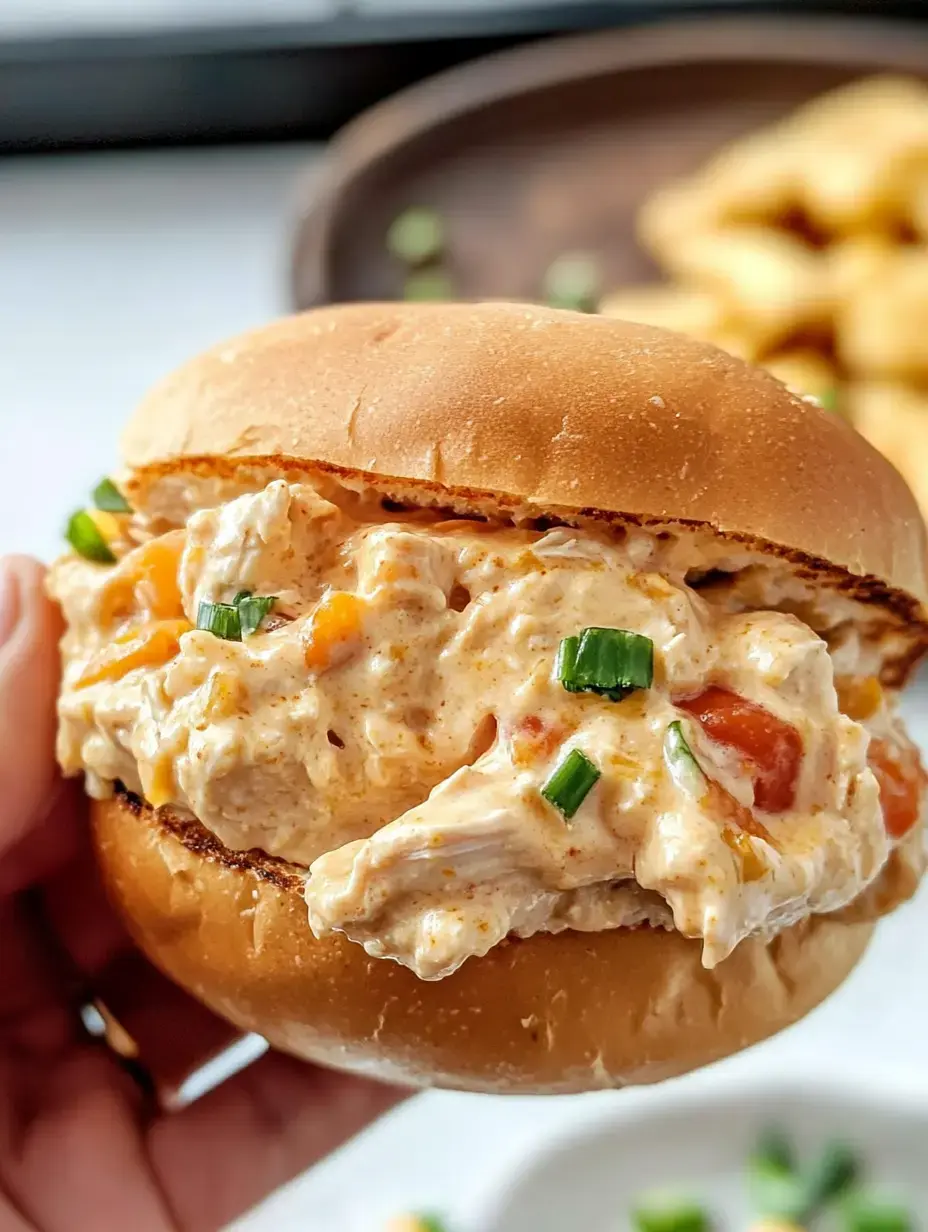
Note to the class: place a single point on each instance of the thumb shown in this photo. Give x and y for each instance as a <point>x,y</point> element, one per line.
<point>30,627</point>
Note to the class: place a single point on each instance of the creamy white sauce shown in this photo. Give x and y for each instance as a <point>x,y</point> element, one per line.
<point>408,776</point>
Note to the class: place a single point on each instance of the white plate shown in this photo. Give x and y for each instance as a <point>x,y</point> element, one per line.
<point>696,1143</point>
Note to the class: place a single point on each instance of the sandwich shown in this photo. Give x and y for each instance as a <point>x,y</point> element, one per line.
<point>495,697</point>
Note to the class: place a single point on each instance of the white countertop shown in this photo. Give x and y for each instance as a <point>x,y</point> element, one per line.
<point>113,268</point>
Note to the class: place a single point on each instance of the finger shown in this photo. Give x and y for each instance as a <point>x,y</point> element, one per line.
<point>174,1035</point>
<point>34,1017</point>
<point>30,627</point>
<point>50,842</point>
<point>227,1151</point>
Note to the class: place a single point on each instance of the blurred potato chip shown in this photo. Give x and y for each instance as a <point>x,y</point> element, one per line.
<point>882,329</point>
<point>805,371</point>
<point>866,108</point>
<point>751,180</point>
<point>845,161</point>
<point>814,228</point>
<point>917,201</point>
<point>769,281</point>
<point>861,146</point>
<point>854,263</point>
<point>894,419</point>
<point>683,309</point>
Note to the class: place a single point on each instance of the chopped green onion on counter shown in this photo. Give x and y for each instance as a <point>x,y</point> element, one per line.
<point>220,619</point>
<point>107,497</point>
<point>417,236</point>
<point>86,538</point>
<point>431,1223</point>
<point>611,662</point>
<point>870,1213</point>
<point>571,783</point>
<point>773,1180</point>
<point>775,1149</point>
<point>823,1194</point>
<point>667,1213</point>
<point>829,1178</point>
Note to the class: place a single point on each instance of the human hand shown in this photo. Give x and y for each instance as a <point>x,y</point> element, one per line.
<point>88,1141</point>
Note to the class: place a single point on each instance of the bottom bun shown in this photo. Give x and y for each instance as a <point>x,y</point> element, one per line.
<point>566,1013</point>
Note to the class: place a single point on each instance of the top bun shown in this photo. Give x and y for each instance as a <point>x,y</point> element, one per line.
<point>529,412</point>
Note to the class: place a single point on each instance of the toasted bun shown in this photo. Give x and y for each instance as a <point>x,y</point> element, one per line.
<point>573,1012</point>
<point>518,413</point>
<point>531,411</point>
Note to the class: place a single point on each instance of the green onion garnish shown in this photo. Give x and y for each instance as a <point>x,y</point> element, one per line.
<point>565,664</point>
<point>571,783</point>
<point>107,496</point>
<point>573,280</point>
<point>428,284</point>
<point>611,662</point>
<point>86,539</point>
<point>683,766</point>
<point>868,1213</point>
<point>220,619</point>
<point>417,235</point>
<point>830,1177</point>
<point>252,609</point>
<point>238,619</point>
<point>667,1213</point>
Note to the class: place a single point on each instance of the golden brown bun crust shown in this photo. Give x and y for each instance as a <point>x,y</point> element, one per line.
<point>552,410</point>
<point>572,1012</point>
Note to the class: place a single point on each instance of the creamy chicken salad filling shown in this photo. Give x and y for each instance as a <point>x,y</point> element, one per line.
<point>467,731</point>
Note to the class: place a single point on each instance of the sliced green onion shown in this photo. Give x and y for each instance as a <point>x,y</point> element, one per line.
<point>242,594</point>
<point>571,783</point>
<point>429,284</point>
<point>868,1213</point>
<point>417,235</point>
<point>775,1150</point>
<point>86,538</point>
<point>565,664</point>
<point>612,662</point>
<point>683,766</point>
<point>573,280</point>
<point>252,609</point>
<point>220,619</point>
<point>430,1223</point>
<point>669,1213</point>
<point>776,1192</point>
<point>830,1177</point>
<point>107,496</point>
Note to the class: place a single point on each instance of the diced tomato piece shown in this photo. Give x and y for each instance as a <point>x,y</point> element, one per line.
<point>771,748</point>
<point>902,780</point>
<point>534,739</point>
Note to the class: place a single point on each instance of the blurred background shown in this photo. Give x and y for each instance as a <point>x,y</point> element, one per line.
<point>753,174</point>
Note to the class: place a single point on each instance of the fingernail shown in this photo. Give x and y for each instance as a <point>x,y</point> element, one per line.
<point>9,600</point>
